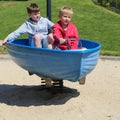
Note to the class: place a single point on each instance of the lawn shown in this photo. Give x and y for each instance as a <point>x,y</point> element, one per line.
<point>93,22</point>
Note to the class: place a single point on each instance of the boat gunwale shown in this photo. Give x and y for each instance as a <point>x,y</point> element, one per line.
<point>10,43</point>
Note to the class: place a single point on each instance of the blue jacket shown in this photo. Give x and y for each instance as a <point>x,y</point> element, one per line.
<point>31,28</point>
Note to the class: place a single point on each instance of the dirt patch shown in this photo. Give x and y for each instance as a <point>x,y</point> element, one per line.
<point>22,97</point>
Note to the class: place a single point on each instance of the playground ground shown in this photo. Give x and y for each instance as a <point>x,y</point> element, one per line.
<point>21,96</point>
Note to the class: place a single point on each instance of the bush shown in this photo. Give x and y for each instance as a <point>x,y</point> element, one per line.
<point>113,5</point>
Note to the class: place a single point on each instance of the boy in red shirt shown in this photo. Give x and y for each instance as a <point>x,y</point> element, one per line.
<point>65,32</point>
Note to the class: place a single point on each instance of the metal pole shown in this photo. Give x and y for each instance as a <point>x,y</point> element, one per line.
<point>49,9</point>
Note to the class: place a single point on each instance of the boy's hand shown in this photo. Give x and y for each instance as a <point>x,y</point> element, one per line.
<point>62,40</point>
<point>3,43</point>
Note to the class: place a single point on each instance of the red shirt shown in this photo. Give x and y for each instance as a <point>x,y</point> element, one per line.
<point>71,32</point>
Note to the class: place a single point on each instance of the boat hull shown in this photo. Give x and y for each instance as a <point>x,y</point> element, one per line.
<point>69,65</point>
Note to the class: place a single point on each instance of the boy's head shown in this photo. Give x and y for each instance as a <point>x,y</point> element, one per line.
<point>33,8</point>
<point>33,11</point>
<point>65,10</point>
<point>65,15</point>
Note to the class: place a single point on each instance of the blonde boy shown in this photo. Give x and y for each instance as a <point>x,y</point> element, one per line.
<point>64,31</point>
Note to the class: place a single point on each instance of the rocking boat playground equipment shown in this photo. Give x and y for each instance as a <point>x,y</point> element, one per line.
<point>55,65</point>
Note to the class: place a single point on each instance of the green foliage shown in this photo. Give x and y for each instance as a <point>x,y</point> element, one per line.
<point>93,22</point>
<point>114,5</point>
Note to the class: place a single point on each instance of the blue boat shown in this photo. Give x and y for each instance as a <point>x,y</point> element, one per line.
<point>72,65</point>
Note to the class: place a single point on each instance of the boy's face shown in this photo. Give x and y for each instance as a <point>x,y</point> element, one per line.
<point>35,16</point>
<point>65,18</point>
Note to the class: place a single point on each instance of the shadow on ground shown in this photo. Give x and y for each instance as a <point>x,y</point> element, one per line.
<point>35,95</point>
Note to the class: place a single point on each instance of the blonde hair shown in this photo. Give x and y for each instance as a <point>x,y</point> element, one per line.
<point>65,10</point>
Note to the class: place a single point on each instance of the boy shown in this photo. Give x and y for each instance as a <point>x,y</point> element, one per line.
<point>65,32</point>
<point>36,27</point>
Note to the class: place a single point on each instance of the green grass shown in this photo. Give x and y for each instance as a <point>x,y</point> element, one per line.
<point>93,22</point>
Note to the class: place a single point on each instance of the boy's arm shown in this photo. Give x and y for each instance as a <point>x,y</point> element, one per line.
<point>49,23</point>
<point>76,33</point>
<point>57,35</point>
<point>22,29</point>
